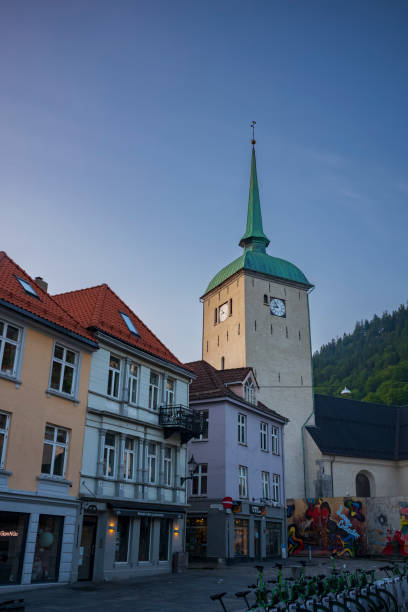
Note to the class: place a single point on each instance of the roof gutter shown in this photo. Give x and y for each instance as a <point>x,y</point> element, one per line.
<point>47,323</point>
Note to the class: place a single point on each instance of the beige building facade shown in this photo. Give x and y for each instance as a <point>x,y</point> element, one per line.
<point>45,361</point>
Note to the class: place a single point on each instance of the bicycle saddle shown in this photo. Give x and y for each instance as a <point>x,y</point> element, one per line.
<point>217,596</point>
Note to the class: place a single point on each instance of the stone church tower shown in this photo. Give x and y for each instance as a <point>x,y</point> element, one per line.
<point>256,313</point>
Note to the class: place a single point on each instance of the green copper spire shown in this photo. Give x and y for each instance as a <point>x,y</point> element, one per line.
<point>254,238</point>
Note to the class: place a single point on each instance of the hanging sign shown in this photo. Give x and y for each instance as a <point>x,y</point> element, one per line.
<point>259,510</point>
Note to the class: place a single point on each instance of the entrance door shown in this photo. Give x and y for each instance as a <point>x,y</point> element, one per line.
<point>257,539</point>
<point>273,539</point>
<point>87,550</point>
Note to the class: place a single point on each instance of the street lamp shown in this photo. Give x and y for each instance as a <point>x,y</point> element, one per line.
<point>192,466</point>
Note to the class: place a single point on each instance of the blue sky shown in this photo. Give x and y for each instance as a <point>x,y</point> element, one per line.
<point>125,155</point>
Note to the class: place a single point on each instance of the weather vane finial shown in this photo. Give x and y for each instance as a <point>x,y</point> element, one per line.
<point>253,124</point>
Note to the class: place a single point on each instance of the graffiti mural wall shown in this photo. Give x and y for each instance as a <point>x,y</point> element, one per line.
<point>387,526</point>
<point>326,526</point>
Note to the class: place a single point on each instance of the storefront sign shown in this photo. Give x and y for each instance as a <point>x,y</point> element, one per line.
<point>9,534</point>
<point>259,510</point>
<point>237,507</point>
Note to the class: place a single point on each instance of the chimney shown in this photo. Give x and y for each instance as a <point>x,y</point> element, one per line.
<point>41,283</point>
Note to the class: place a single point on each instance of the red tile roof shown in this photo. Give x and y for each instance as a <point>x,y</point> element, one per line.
<point>210,383</point>
<point>99,308</point>
<point>45,306</point>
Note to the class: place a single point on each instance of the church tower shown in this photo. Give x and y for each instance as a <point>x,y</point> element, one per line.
<point>256,313</point>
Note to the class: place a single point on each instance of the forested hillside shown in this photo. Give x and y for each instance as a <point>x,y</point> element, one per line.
<point>372,361</point>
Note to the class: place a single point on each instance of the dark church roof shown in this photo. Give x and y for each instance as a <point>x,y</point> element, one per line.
<point>360,429</point>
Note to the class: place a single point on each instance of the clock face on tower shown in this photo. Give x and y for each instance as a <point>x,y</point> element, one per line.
<point>223,312</point>
<point>278,307</point>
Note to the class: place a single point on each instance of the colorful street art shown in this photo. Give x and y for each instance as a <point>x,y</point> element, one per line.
<point>327,526</point>
<point>397,541</point>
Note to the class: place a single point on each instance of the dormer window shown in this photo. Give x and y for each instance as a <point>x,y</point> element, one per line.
<point>129,324</point>
<point>27,287</point>
<point>250,392</point>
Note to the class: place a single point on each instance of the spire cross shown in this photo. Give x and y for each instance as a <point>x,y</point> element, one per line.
<point>253,124</point>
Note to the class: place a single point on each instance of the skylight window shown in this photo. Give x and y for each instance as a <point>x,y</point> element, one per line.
<point>129,324</point>
<point>27,287</point>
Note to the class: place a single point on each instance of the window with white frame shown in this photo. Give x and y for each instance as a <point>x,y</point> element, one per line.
<point>10,345</point>
<point>250,392</point>
<point>170,391</point>
<point>167,466</point>
<point>109,455</point>
<point>55,451</point>
<point>263,428</point>
<point>151,462</point>
<point>133,382</point>
<point>113,376</point>
<point>242,428</point>
<point>276,487</point>
<point>199,486</point>
<point>275,440</point>
<point>243,481</point>
<point>64,369</point>
<point>154,391</point>
<point>4,427</point>
<point>129,459</point>
<point>265,485</point>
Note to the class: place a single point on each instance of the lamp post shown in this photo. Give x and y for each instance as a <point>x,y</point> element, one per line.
<point>191,466</point>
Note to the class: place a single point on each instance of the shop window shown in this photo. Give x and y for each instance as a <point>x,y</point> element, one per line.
<point>145,535</point>
<point>164,542</point>
<point>241,537</point>
<point>4,427</point>
<point>122,539</point>
<point>47,549</point>
<point>200,480</point>
<point>196,537</point>
<point>55,450</point>
<point>13,529</point>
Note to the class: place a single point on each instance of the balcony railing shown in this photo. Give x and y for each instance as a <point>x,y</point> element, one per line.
<point>178,418</point>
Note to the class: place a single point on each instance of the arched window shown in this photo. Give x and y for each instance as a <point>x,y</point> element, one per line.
<point>363,488</point>
<point>250,392</point>
<point>222,363</point>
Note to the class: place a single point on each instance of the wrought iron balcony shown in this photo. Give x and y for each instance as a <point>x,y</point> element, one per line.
<point>178,418</point>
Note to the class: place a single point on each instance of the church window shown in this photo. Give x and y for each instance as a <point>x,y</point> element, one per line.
<point>299,336</point>
<point>266,301</point>
<point>207,346</point>
<point>287,335</point>
<point>239,328</point>
<point>215,316</point>
<point>271,328</point>
<point>227,336</point>
<point>301,380</point>
<point>230,307</point>
<point>218,341</point>
<point>279,376</point>
<point>255,325</point>
<point>222,363</point>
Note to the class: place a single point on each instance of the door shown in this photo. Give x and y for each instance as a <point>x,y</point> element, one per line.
<point>257,539</point>
<point>87,550</point>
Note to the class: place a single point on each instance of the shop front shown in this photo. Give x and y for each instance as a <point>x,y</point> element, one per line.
<point>121,540</point>
<point>36,541</point>
<point>248,531</point>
